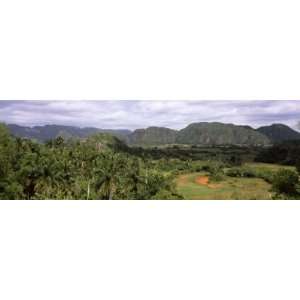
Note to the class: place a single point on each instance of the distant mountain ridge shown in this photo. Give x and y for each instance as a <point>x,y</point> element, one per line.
<point>216,133</point>
<point>47,132</point>
<point>153,136</point>
<point>279,132</point>
<point>202,133</point>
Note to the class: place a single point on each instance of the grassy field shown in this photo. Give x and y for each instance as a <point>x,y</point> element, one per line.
<point>271,167</point>
<point>199,186</point>
<point>229,188</point>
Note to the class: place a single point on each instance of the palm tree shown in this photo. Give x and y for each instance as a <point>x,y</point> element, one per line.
<point>108,173</point>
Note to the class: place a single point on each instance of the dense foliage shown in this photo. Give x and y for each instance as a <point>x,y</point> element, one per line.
<point>96,168</point>
<point>285,182</point>
<point>231,154</point>
<point>286,153</point>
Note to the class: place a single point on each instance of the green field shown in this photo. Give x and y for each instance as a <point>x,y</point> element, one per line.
<point>229,188</point>
<point>270,167</point>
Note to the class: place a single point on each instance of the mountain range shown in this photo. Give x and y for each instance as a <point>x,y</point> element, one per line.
<point>203,133</point>
<point>47,132</point>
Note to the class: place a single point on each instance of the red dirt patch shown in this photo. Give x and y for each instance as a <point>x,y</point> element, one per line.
<point>204,180</point>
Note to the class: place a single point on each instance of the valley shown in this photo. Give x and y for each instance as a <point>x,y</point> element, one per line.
<point>202,161</point>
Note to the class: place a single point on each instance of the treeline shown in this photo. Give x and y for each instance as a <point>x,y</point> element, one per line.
<point>97,168</point>
<point>226,154</point>
<point>285,153</point>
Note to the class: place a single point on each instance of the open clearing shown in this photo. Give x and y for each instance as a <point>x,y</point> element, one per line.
<point>204,180</point>
<point>198,185</point>
<point>189,186</point>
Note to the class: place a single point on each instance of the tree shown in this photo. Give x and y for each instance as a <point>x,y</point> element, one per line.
<point>236,160</point>
<point>107,174</point>
<point>9,187</point>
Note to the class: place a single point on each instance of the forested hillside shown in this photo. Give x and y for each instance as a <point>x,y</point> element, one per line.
<point>219,133</point>
<point>152,136</point>
<point>279,133</point>
<point>99,167</point>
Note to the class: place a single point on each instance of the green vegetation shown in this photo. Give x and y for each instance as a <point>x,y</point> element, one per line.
<point>96,168</point>
<point>101,166</point>
<point>250,181</point>
<point>199,134</point>
<point>228,188</point>
<point>286,183</point>
<point>220,134</point>
<point>279,132</point>
<point>153,136</point>
<point>286,153</point>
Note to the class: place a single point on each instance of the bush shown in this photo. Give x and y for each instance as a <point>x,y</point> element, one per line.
<point>298,166</point>
<point>235,160</point>
<point>234,172</point>
<point>266,175</point>
<point>285,182</point>
<point>241,172</point>
<point>248,173</point>
<point>217,176</point>
<point>206,168</point>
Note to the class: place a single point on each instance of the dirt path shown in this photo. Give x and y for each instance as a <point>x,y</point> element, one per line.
<point>204,180</point>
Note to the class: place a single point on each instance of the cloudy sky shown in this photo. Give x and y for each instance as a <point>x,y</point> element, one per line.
<point>140,114</point>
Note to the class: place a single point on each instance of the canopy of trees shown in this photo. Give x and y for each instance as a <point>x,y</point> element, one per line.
<point>96,168</point>
<point>287,153</point>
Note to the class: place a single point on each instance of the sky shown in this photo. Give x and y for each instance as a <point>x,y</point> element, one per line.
<point>141,114</point>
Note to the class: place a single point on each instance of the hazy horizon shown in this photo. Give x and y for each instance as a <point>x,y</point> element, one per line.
<point>134,114</point>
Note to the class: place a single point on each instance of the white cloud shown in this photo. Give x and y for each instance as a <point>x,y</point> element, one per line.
<point>137,114</point>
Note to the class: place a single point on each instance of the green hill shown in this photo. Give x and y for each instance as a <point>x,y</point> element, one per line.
<point>279,133</point>
<point>105,141</point>
<point>153,136</point>
<point>219,134</point>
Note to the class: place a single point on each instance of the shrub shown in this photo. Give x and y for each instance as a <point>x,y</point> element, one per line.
<point>266,175</point>
<point>217,176</point>
<point>234,172</point>
<point>298,166</point>
<point>241,172</point>
<point>206,168</point>
<point>285,182</point>
<point>235,160</point>
<point>248,173</point>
